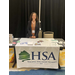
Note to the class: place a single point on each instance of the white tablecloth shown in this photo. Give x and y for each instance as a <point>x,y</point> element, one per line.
<point>45,55</point>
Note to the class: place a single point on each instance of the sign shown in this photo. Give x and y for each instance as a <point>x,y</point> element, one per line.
<point>62,58</point>
<point>11,55</point>
<point>37,57</point>
<point>10,38</point>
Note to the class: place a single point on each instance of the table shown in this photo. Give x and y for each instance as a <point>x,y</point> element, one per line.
<point>13,46</point>
<point>29,55</point>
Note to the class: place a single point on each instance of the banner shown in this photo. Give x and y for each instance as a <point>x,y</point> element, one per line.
<point>10,38</point>
<point>37,57</point>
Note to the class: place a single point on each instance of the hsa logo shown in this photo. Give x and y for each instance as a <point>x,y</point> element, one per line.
<point>46,57</point>
<point>26,56</point>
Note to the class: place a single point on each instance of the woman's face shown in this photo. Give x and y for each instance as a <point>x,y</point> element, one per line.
<point>34,16</point>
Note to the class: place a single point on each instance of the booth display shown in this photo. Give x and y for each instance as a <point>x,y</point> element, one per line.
<point>37,53</point>
<point>43,55</point>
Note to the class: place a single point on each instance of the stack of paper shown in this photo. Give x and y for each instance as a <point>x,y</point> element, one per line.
<point>53,42</point>
<point>15,38</point>
<point>30,43</point>
<point>60,42</point>
<point>10,44</point>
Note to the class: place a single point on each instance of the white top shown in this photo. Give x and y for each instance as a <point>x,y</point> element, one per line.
<point>47,42</point>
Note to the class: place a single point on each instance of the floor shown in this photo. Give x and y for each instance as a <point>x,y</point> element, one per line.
<point>29,71</point>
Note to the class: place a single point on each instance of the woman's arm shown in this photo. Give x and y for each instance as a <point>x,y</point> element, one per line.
<point>28,30</point>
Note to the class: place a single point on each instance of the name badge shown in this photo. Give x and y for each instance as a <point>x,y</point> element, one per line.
<point>33,31</point>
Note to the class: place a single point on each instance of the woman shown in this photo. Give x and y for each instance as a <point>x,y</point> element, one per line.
<point>33,26</point>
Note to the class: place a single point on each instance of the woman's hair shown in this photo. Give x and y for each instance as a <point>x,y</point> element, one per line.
<point>36,16</point>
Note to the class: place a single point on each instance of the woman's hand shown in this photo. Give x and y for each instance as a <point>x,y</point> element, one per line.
<point>33,36</point>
